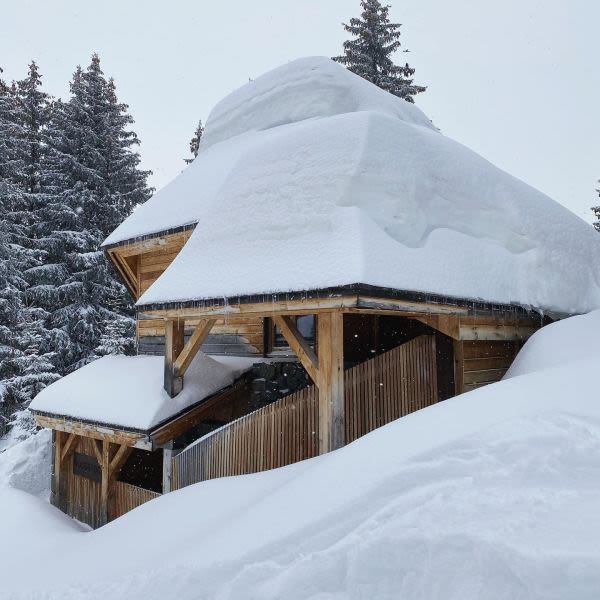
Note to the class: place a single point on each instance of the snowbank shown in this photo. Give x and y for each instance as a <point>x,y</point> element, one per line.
<point>127,391</point>
<point>490,495</point>
<point>310,177</point>
<point>559,344</point>
<point>26,465</point>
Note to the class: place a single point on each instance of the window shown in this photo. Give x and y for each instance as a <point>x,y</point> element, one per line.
<point>306,327</point>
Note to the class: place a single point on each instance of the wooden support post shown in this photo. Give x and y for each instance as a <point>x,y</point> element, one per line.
<point>185,357</point>
<point>167,479</point>
<point>104,484</point>
<point>174,343</point>
<point>330,340</point>
<point>459,367</point>
<point>55,497</point>
<point>68,447</point>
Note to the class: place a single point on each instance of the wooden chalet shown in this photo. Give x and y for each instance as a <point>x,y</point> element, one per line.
<point>368,354</point>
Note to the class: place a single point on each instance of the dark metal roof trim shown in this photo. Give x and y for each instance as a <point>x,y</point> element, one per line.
<point>474,306</point>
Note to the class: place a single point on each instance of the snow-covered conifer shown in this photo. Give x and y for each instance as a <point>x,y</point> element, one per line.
<point>596,211</point>
<point>369,53</point>
<point>24,369</point>
<point>94,182</point>
<point>195,142</point>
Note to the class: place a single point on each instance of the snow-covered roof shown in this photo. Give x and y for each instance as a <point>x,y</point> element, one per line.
<point>310,177</point>
<point>127,391</point>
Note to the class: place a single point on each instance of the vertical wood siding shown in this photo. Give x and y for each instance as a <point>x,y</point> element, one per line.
<point>377,391</point>
<point>81,495</point>
<point>126,497</point>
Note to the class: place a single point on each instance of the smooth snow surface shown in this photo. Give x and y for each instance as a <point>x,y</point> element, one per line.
<point>492,495</point>
<point>566,341</point>
<point>127,391</point>
<point>310,177</point>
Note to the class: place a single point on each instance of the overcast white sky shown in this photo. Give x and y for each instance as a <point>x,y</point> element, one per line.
<point>517,81</point>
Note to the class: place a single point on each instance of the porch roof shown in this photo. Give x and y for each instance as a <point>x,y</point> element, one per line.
<point>127,391</point>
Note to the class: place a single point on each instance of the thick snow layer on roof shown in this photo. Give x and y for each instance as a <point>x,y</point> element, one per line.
<point>310,177</point>
<point>487,496</point>
<point>309,88</point>
<point>127,391</point>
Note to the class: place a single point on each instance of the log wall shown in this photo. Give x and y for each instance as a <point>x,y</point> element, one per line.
<point>481,362</point>
<point>239,335</point>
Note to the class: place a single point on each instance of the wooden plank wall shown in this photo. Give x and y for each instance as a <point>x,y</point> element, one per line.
<point>80,496</point>
<point>484,362</point>
<point>126,497</point>
<point>377,391</point>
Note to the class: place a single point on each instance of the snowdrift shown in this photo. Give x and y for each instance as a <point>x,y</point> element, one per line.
<point>490,495</point>
<point>310,177</point>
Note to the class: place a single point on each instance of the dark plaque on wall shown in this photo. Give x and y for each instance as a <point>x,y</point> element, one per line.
<point>86,466</point>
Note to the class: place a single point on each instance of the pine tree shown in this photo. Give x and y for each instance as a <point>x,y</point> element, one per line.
<point>23,370</point>
<point>596,211</point>
<point>94,182</point>
<point>195,142</point>
<point>369,54</point>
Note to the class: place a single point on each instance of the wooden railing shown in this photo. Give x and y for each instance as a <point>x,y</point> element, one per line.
<point>377,391</point>
<point>127,497</point>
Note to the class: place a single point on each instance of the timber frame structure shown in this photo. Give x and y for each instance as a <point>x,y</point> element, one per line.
<point>418,348</point>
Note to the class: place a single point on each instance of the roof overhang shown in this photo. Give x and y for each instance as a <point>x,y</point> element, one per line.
<point>356,297</point>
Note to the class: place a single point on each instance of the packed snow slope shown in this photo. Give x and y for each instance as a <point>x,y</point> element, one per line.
<point>127,391</point>
<point>490,495</point>
<point>311,177</point>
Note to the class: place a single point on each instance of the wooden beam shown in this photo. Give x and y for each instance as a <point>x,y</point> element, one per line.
<point>266,309</point>
<point>330,340</point>
<point>97,432</point>
<point>97,446</point>
<point>174,342</point>
<point>369,302</point>
<point>299,345</point>
<point>498,332</point>
<point>104,483</point>
<point>57,468</point>
<point>184,422</point>
<point>185,357</point>
<point>447,324</point>
<point>167,479</point>
<point>459,367</point>
<point>118,460</point>
<point>175,240</point>
<point>473,328</point>
<point>68,447</point>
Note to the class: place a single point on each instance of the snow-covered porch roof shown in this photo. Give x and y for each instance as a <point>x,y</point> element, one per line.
<point>125,393</point>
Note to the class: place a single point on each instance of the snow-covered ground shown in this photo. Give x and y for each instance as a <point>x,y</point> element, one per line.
<point>493,494</point>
